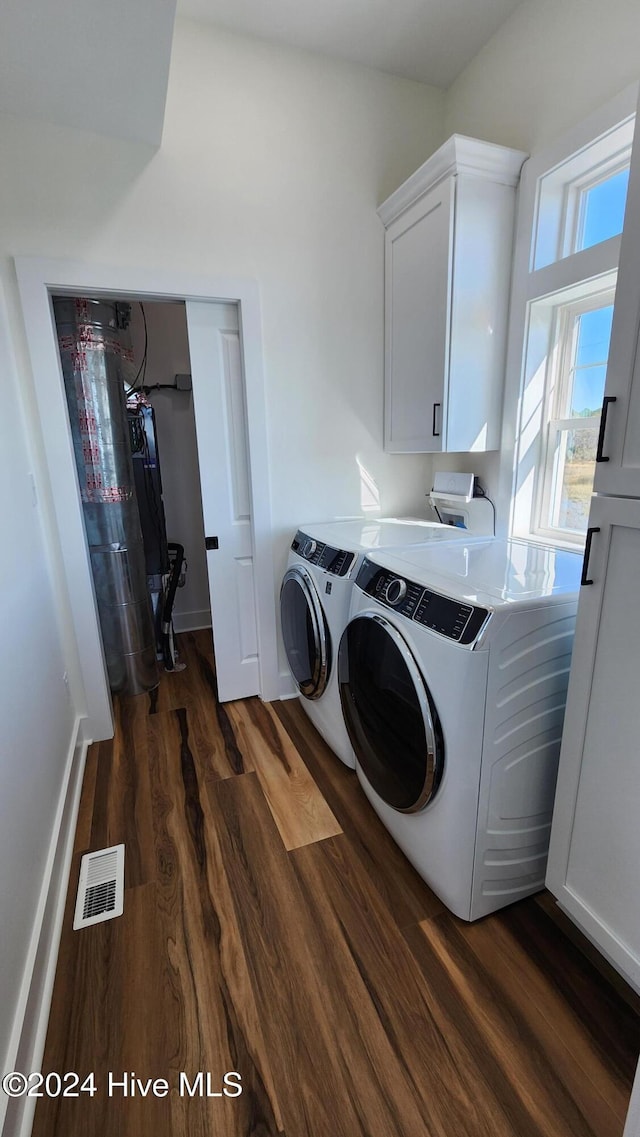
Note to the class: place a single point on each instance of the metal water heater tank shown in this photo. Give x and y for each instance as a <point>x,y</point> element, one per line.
<point>95,351</point>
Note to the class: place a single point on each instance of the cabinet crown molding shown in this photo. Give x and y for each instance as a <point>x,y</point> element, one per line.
<point>459,155</point>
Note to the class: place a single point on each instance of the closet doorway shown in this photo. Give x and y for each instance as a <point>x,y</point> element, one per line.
<point>224,334</point>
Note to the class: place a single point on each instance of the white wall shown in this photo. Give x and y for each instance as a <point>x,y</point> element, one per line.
<point>550,65</point>
<point>272,165</point>
<point>35,711</point>
<point>168,356</point>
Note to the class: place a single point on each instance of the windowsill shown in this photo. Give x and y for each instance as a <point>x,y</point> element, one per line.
<point>547,538</point>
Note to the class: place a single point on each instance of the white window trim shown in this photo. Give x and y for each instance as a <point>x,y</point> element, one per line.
<point>559,185</point>
<point>520,439</point>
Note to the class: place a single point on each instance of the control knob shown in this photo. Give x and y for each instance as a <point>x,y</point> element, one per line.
<point>309,548</point>
<point>395,591</point>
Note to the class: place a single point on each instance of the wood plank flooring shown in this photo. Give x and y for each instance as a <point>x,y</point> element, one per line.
<point>271,927</point>
<point>299,809</point>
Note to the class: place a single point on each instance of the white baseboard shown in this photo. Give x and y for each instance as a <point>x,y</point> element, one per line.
<point>632,1126</point>
<point>191,621</point>
<point>26,1047</point>
<point>288,689</point>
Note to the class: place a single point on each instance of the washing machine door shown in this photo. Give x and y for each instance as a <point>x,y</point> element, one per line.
<point>389,714</point>
<point>305,632</point>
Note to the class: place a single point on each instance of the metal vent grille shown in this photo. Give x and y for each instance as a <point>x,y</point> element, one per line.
<point>100,898</point>
<point>101,887</point>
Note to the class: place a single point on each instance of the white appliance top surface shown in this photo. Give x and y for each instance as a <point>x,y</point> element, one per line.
<point>381,533</point>
<point>491,572</point>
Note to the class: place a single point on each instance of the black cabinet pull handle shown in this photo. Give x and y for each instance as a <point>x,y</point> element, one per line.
<point>600,457</point>
<point>587,553</point>
<point>436,433</point>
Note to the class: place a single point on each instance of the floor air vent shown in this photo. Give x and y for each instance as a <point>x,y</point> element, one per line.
<point>101,887</point>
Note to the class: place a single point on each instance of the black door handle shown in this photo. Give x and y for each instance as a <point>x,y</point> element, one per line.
<point>584,579</point>
<point>436,433</point>
<point>600,457</point>
<point>211,543</point>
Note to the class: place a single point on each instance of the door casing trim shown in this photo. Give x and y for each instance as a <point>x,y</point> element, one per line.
<point>38,279</point>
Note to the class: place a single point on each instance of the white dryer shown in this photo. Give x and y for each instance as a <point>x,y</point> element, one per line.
<point>314,606</point>
<point>452,673</point>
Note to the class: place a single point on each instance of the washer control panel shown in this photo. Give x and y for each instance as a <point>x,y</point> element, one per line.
<point>442,614</point>
<point>336,561</point>
<point>395,591</point>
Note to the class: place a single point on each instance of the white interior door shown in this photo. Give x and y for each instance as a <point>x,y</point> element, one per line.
<point>221,431</point>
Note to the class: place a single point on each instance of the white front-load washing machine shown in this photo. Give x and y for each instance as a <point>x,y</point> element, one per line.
<point>452,672</point>
<point>314,606</point>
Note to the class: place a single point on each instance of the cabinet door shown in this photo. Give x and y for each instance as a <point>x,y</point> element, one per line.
<point>619,473</point>
<point>417,316</point>
<point>483,246</point>
<point>595,837</point>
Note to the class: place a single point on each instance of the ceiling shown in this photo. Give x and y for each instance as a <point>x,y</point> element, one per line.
<point>428,40</point>
<point>104,67</point>
<point>88,64</point>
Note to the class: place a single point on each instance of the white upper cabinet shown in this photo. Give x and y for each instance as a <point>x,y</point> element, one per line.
<point>448,246</point>
<point>618,455</point>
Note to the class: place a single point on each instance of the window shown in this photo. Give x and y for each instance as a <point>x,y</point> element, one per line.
<point>601,209</point>
<point>572,202</point>
<point>581,199</point>
<point>574,394</point>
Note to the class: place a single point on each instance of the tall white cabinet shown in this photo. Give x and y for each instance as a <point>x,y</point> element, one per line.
<point>448,248</point>
<point>594,857</point>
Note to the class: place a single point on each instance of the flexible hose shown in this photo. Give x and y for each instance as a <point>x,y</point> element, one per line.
<point>167,609</point>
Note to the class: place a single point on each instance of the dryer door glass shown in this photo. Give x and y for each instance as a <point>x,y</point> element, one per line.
<point>390,716</point>
<point>305,633</point>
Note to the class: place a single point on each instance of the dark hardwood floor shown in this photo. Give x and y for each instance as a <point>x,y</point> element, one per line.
<point>271,927</point>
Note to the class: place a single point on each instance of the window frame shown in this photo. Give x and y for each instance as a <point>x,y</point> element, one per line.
<point>575,213</point>
<point>535,292</point>
<point>557,388</point>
